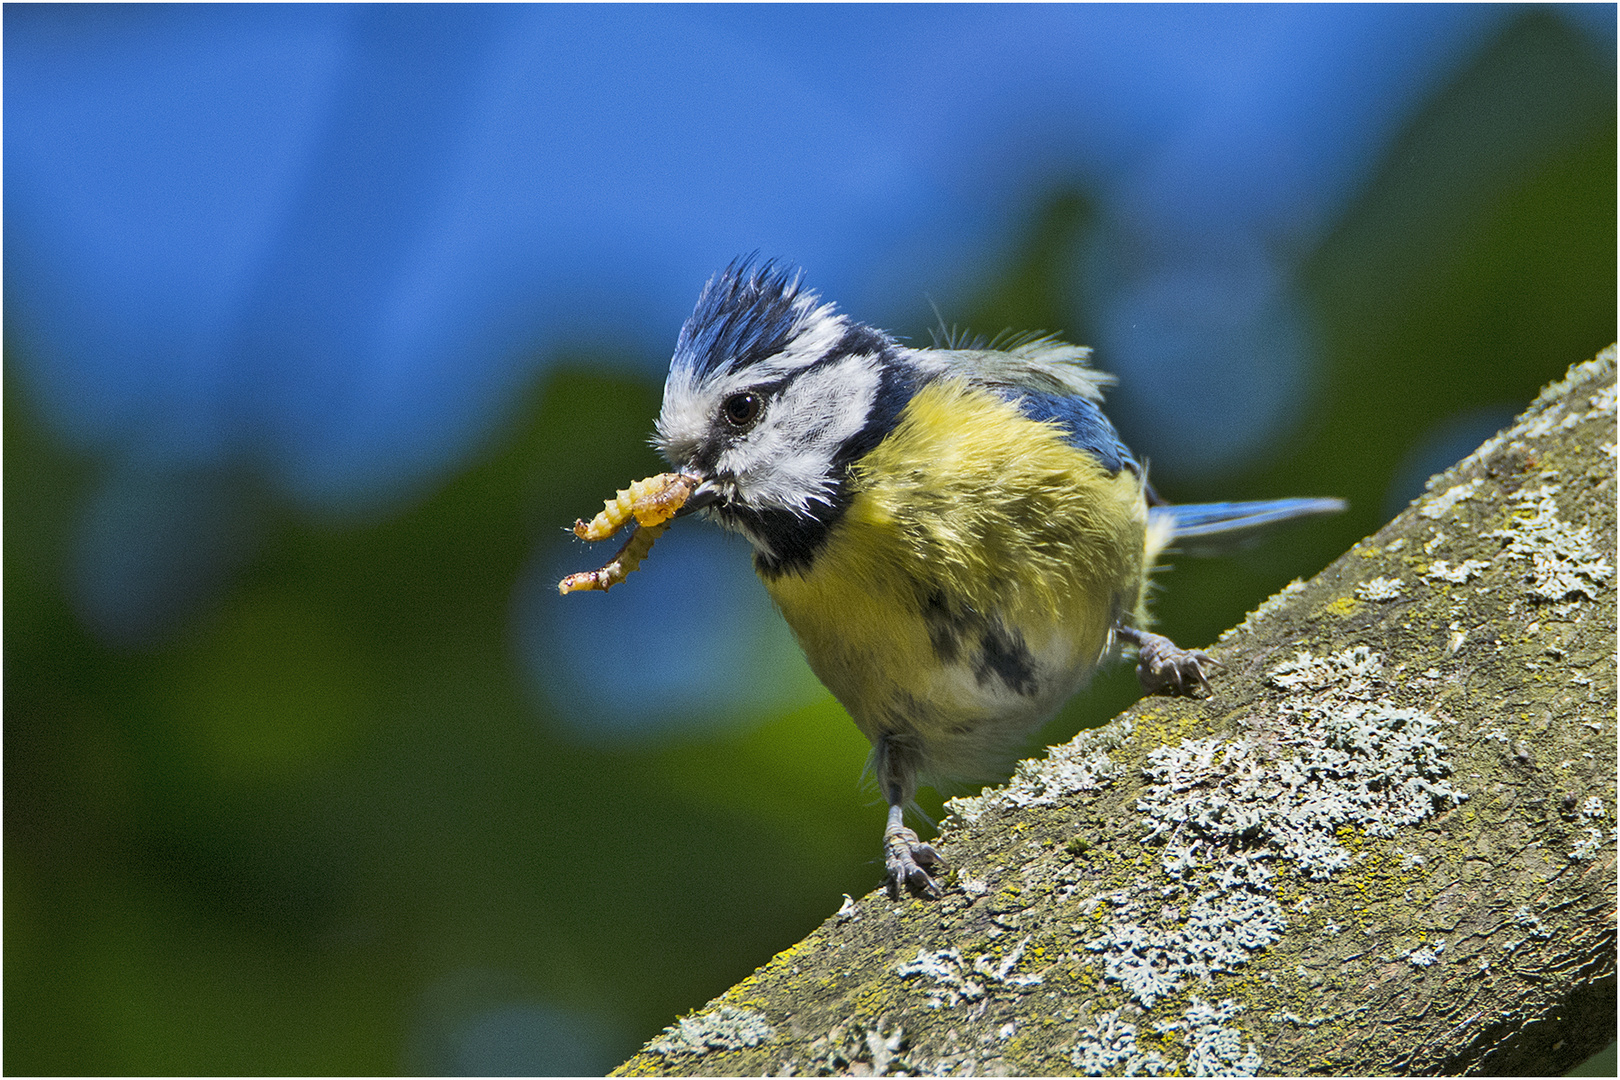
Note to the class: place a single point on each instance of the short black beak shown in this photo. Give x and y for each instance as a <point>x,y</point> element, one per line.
<point>706,494</point>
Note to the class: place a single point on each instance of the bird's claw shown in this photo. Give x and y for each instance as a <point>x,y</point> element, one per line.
<point>1163,666</point>
<point>909,862</point>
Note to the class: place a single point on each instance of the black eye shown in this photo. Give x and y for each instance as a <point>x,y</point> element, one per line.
<point>741,410</point>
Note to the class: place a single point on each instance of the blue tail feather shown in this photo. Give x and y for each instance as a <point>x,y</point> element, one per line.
<point>1195,521</point>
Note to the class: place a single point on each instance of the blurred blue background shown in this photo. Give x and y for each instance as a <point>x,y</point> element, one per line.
<point>321,321</point>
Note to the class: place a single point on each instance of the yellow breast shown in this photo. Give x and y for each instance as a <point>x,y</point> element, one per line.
<point>971,585</point>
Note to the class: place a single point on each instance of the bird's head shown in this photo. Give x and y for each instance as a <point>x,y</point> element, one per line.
<point>771,395</point>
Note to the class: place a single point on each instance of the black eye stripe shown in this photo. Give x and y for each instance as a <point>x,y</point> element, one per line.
<point>858,338</point>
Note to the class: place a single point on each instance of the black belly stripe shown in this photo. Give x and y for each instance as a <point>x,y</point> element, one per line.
<point>1003,655</point>
<point>946,628</point>
<point>996,652</point>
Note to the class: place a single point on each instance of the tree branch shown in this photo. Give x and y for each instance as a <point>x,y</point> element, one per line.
<point>1384,844</point>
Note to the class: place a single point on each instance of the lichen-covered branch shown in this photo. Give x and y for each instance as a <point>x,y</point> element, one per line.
<point>1385,844</point>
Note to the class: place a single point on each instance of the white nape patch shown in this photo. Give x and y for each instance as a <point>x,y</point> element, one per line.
<point>786,461</point>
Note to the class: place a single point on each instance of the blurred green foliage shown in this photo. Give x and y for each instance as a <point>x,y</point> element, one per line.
<point>328,827</point>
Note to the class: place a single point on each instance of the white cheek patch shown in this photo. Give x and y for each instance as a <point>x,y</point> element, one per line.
<point>786,462</point>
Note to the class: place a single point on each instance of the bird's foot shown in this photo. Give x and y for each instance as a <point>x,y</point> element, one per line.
<point>910,862</point>
<point>1163,666</point>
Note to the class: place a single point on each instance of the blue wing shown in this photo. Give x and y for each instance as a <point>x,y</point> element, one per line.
<point>1088,429</point>
<point>1047,380</point>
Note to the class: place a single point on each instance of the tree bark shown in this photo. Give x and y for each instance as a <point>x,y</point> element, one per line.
<point>1384,843</point>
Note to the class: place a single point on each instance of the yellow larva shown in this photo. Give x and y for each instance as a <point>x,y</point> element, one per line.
<point>619,567</point>
<point>652,501</point>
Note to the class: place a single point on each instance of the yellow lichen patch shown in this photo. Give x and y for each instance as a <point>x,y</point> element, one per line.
<point>619,567</point>
<point>652,501</point>
<point>1344,605</point>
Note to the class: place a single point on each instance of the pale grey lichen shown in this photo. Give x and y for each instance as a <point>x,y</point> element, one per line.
<point>1587,847</point>
<point>1081,764</point>
<point>1380,589</point>
<point>1001,970</point>
<point>1222,928</point>
<point>1463,572</point>
<point>1602,401</point>
<point>1530,921</point>
<point>1219,932</point>
<point>1438,506</point>
<point>1585,371</point>
<point>846,911</point>
<point>1564,562</point>
<point>723,1028</point>
<point>1535,425</point>
<point>1285,1016</point>
<point>1350,671</point>
<point>1230,809</point>
<point>1271,604</point>
<point>972,886</point>
<point>1556,407</point>
<point>1354,763</point>
<point>883,1047</point>
<point>1426,955</point>
<point>957,980</point>
<point>1109,1043</point>
<point>1594,807</point>
<point>945,968</point>
<point>1178,859</point>
<point>1217,1050</point>
<point>857,1050</point>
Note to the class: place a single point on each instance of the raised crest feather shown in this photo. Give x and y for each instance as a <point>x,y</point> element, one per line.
<point>745,314</point>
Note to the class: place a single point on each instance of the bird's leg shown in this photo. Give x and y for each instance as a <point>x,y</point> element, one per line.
<point>896,758</point>
<point>908,859</point>
<point>1162,665</point>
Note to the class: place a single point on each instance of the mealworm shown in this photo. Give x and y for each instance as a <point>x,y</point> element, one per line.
<point>619,567</point>
<point>652,501</point>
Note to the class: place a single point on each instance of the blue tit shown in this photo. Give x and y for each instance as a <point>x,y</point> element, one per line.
<point>956,536</point>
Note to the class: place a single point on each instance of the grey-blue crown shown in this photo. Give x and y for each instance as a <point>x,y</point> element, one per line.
<point>745,314</point>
